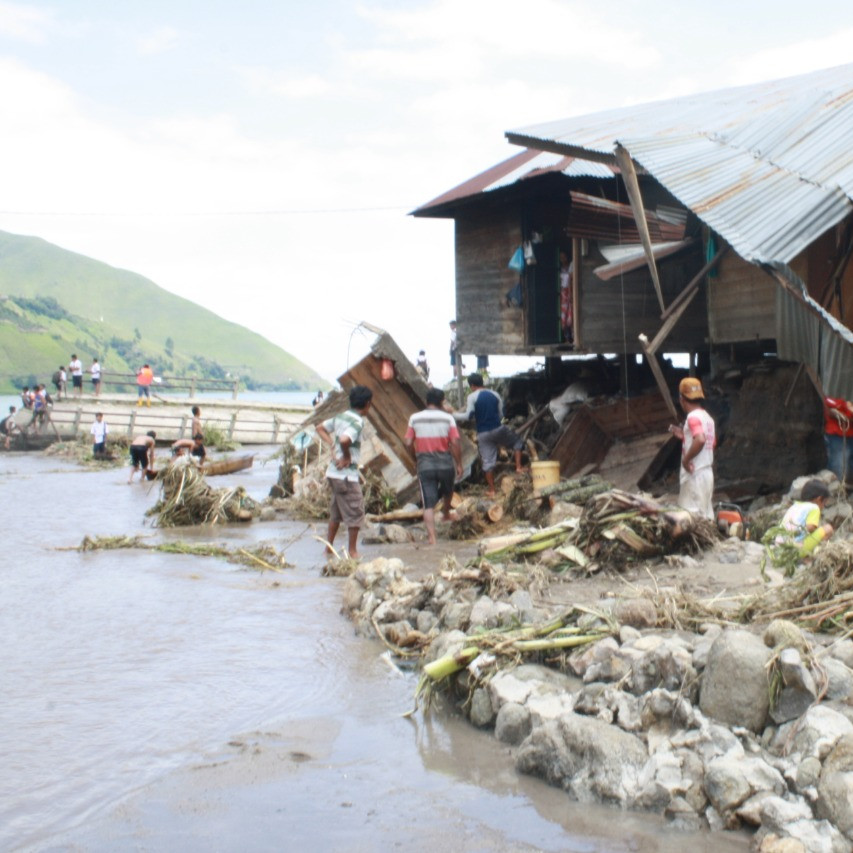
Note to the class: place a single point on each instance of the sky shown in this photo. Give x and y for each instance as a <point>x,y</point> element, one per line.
<point>261,158</point>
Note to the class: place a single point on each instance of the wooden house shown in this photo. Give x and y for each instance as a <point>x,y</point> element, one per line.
<point>719,225</point>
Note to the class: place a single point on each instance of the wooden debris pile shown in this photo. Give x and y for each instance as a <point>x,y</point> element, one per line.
<point>186,499</point>
<point>263,557</point>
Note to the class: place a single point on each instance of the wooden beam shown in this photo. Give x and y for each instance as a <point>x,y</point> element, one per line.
<point>632,184</point>
<point>652,359</point>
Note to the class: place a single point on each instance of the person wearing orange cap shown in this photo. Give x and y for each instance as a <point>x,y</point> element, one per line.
<point>699,439</point>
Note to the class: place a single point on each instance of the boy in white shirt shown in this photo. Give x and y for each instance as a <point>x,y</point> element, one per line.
<point>99,432</point>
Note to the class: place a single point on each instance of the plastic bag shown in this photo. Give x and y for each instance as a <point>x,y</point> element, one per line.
<point>514,297</point>
<point>516,262</point>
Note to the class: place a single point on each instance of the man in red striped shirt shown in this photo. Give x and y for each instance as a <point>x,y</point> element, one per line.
<point>435,438</point>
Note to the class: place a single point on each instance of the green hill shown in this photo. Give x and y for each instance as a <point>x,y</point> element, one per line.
<point>54,302</point>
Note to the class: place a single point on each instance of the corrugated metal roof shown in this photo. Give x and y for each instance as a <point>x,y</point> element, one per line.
<point>768,166</point>
<point>522,166</point>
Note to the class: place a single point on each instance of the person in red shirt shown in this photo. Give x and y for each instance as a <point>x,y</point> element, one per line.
<point>838,437</point>
<point>144,378</point>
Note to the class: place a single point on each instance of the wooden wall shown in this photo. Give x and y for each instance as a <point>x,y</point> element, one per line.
<point>614,313</point>
<point>484,245</point>
<point>741,302</point>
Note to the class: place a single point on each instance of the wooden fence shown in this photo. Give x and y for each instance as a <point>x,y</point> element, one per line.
<point>188,384</point>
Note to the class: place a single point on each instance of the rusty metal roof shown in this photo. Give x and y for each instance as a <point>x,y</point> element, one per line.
<point>767,166</point>
<point>522,166</point>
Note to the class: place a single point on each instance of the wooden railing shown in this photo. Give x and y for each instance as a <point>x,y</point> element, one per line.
<point>244,426</point>
<point>190,384</point>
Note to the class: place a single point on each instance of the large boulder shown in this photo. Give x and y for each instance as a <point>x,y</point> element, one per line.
<point>835,789</point>
<point>734,686</point>
<point>589,758</point>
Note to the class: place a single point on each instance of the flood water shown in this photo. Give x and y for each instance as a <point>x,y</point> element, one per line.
<point>171,702</point>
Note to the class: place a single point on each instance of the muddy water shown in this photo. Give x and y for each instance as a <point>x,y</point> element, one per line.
<point>153,701</point>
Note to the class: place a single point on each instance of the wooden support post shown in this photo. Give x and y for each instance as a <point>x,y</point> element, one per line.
<point>652,359</point>
<point>632,185</point>
<point>131,423</point>
<point>232,426</point>
<point>457,368</point>
<point>276,426</point>
<point>76,423</point>
<point>577,337</point>
<point>192,387</point>
<point>183,427</point>
<point>234,392</point>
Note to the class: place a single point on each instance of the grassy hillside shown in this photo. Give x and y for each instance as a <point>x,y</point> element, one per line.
<point>54,302</point>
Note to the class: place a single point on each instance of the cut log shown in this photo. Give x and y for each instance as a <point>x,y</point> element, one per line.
<point>398,515</point>
<point>490,511</point>
<point>499,543</point>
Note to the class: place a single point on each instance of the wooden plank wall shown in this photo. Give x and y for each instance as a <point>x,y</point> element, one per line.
<point>741,302</point>
<point>582,442</point>
<point>483,249</point>
<point>614,313</point>
<point>633,416</point>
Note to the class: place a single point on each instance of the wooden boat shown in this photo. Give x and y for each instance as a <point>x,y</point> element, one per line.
<point>228,466</point>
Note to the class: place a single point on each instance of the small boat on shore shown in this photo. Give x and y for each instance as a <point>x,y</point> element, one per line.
<point>228,466</point>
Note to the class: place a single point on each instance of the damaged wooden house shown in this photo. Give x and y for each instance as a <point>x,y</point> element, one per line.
<point>398,392</point>
<point>718,225</point>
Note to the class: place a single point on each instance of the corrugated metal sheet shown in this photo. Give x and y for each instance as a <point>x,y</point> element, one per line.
<point>808,334</point>
<point>527,164</point>
<point>768,166</point>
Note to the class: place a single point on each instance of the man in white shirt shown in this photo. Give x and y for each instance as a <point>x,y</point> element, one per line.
<point>95,370</point>
<point>99,433</point>
<point>76,368</point>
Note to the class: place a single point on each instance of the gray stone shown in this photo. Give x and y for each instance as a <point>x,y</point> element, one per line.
<point>353,593</point>
<point>481,713</point>
<point>523,604</point>
<point>449,643</point>
<point>778,812</point>
<point>808,773</point>
<point>730,781</point>
<point>627,634</point>
<point>815,734</point>
<point>391,610</point>
<point>529,681</point>
<point>395,533</point>
<point>267,514</point>
<point>636,612</point>
<point>842,651</point>
<point>839,678</point>
<point>595,653</point>
<point>484,613</point>
<point>426,621</point>
<point>456,615</point>
<point>590,759</point>
<point>835,789</point>
<point>734,686</point>
<point>513,724</point>
<point>791,703</point>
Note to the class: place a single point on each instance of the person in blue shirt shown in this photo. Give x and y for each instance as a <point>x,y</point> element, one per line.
<point>486,409</point>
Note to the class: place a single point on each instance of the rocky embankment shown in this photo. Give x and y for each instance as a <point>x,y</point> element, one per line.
<point>725,727</point>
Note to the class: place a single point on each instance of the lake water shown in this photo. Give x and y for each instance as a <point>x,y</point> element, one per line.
<point>171,702</point>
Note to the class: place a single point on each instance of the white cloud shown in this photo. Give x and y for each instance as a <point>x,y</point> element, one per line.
<point>159,41</point>
<point>24,23</point>
<point>263,81</point>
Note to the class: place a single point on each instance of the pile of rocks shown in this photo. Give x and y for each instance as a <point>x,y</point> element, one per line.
<point>676,722</point>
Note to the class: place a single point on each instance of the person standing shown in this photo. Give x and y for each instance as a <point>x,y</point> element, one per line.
<point>342,434</point>
<point>95,370</point>
<point>838,437</point>
<point>142,454</point>
<point>8,427</point>
<point>455,362</point>
<point>435,438</point>
<point>422,367</point>
<point>699,438</point>
<point>486,408</point>
<point>76,368</point>
<point>196,425</point>
<point>99,431</point>
<point>58,380</point>
<point>144,378</point>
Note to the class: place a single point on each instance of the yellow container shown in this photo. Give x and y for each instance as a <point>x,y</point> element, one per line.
<point>544,474</point>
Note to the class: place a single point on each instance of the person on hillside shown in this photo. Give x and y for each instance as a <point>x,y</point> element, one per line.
<point>8,427</point>
<point>421,366</point>
<point>342,434</point>
<point>838,437</point>
<point>76,368</point>
<point>699,438</point>
<point>435,438</point>
<point>144,378</point>
<point>95,370</point>
<point>142,454</point>
<point>196,424</point>
<point>802,520</point>
<point>194,446</point>
<point>486,408</point>
<point>58,379</point>
<point>99,431</point>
